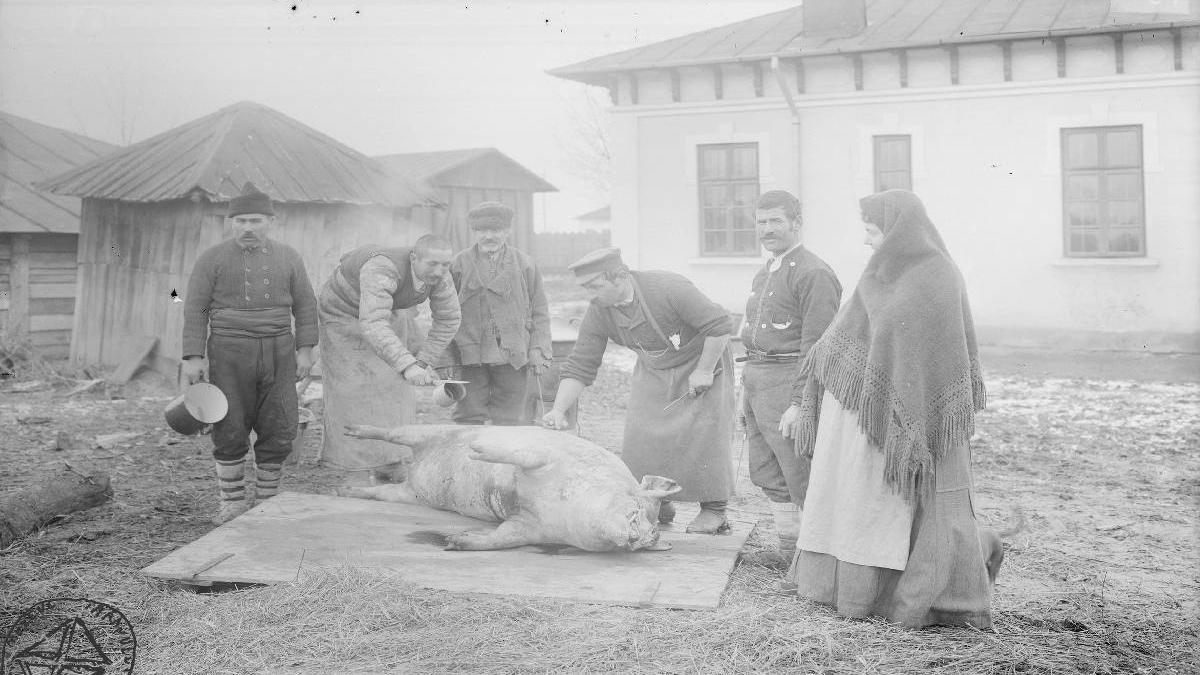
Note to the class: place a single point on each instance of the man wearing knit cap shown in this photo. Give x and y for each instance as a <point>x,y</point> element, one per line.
<point>505,329</point>
<point>677,422</point>
<point>792,300</point>
<point>242,298</point>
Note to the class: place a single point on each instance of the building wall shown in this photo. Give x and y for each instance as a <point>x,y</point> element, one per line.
<point>985,161</point>
<point>133,255</point>
<point>37,290</point>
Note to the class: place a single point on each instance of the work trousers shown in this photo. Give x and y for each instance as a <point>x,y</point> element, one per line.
<point>258,377</point>
<point>774,467</point>
<point>495,392</point>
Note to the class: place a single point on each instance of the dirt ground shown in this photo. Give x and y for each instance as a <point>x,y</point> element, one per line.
<point>1104,473</point>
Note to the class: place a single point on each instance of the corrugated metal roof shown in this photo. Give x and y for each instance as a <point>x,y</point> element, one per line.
<point>29,152</point>
<point>891,24</point>
<point>427,167</point>
<point>246,141</point>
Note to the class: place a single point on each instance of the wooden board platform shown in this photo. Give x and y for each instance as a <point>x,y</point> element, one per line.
<point>275,540</point>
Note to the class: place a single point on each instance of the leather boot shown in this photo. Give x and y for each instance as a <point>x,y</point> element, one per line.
<point>787,526</point>
<point>710,520</point>
<point>666,513</point>
<point>231,480</point>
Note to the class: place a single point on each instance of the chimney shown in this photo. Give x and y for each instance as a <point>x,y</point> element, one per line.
<point>829,19</point>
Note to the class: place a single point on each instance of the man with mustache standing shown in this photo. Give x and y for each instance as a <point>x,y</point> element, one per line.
<point>505,329</point>
<point>793,299</point>
<point>241,300</point>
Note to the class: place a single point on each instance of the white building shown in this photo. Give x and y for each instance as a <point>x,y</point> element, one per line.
<point>1055,143</point>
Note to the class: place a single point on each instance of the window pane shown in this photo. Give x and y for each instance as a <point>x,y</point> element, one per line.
<point>745,242</point>
<point>745,194</point>
<point>714,242</point>
<point>712,162</point>
<point>1083,214</point>
<point>1083,186</point>
<point>741,218</point>
<point>1123,185</point>
<point>714,219</point>
<point>895,180</point>
<point>715,195</point>
<point>1124,213</point>
<point>745,163</point>
<point>893,154</point>
<point>1082,149</point>
<point>1125,241</point>
<point>1084,242</point>
<point>1124,148</point>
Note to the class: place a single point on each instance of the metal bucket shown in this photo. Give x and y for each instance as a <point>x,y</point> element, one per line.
<point>200,405</point>
<point>447,394</point>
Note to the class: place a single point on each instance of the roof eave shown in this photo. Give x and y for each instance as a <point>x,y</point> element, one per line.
<point>598,77</point>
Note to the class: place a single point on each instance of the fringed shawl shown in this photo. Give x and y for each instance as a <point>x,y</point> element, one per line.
<point>901,353</point>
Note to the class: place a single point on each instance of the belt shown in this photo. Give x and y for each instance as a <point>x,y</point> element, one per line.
<point>761,357</point>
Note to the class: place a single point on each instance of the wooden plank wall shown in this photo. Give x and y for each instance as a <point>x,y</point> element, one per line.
<point>37,289</point>
<point>452,221</point>
<point>133,255</point>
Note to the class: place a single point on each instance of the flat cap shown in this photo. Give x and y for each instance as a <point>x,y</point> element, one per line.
<point>596,263</point>
<point>490,216</point>
<point>250,201</point>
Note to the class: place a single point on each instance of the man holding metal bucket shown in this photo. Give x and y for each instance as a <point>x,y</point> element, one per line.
<point>242,297</point>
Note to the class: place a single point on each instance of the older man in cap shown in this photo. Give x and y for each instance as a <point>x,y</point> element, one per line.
<point>242,298</point>
<point>679,419</point>
<point>371,355</point>
<point>792,300</point>
<point>505,329</point>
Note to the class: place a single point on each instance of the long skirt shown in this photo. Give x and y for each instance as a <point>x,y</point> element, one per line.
<point>867,552</point>
<point>691,442</point>
<point>359,388</point>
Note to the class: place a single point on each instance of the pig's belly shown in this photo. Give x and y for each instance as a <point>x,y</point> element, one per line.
<point>447,479</point>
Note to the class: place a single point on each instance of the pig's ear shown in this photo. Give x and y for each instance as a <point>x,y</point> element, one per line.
<point>657,486</point>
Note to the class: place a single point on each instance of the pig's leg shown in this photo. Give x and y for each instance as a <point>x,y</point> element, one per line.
<point>517,454</point>
<point>510,534</point>
<point>399,493</point>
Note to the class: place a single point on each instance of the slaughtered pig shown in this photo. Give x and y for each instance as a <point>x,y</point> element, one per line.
<point>543,487</point>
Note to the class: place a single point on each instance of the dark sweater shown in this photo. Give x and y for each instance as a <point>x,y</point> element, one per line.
<point>790,308</point>
<point>259,288</point>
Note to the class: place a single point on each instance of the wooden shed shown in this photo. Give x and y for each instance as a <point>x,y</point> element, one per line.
<point>150,209</point>
<point>462,179</point>
<point>38,233</point>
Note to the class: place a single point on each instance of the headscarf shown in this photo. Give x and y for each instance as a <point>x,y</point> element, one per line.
<point>901,353</point>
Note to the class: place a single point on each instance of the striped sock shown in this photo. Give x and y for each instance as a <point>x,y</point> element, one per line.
<point>230,475</point>
<point>267,483</point>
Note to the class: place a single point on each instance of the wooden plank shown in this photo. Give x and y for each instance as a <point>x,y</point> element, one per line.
<point>46,306</point>
<point>51,322</point>
<point>58,290</point>
<point>142,348</point>
<point>17,326</point>
<point>281,538</point>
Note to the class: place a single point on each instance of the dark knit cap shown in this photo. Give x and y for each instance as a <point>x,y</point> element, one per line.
<point>490,216</point>
<point>250,201</point>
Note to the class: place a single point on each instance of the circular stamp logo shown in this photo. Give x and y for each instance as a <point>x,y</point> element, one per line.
<point>69,636</point>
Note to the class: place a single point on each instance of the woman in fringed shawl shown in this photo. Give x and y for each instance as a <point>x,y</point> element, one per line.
<point>889,529</point>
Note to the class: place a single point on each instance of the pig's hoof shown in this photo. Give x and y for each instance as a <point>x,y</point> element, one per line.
<point>456,542</point>
<point>659,546</point>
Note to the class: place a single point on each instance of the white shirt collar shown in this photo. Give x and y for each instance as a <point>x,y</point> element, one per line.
<point>775,261</point>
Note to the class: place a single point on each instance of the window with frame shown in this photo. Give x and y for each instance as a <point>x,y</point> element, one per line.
<point>893,163</point>
<point>1104,209</point>
<point>728,178</point>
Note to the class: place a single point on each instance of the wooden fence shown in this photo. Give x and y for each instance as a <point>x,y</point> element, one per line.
<point>555,250</point>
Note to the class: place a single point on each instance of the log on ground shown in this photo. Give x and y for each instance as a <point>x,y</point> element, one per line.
<point>65,491</point>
